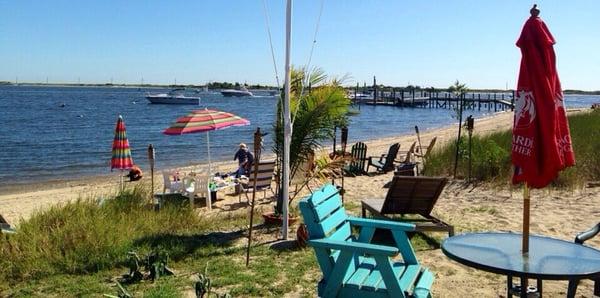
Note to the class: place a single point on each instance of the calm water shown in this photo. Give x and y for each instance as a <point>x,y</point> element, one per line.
<point>40,140</point>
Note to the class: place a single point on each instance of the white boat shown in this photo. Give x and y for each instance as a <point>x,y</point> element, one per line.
<point>236,92</point>
<point>360,96</point>
<point>175,96</point>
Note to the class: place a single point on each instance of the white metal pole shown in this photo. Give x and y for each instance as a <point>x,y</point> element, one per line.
<point>287,130</point>
<point>210,175</point>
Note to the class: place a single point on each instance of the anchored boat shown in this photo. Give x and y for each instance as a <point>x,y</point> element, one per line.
<point>175,96</point>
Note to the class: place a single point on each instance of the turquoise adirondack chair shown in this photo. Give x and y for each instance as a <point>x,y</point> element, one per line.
<point>351,265</point>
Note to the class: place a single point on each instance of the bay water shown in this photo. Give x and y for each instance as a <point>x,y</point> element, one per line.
<point>55,133</point>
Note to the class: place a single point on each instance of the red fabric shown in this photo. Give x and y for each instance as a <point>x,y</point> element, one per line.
<point>541,145</point>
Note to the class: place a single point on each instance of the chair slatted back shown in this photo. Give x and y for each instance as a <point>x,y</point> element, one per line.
<point>413,195</point>
<point>264,175</point>
<point>429,148</point>
<point>409,153</point>
<point>359,157</point>
<point>390,157</point>
<point>325,217</point>
<point>200,185</point>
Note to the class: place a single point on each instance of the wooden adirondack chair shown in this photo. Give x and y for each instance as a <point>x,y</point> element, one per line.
<point>386,161</point>
<point>406,166</point>
<point>351,265</point>
<point>422,156</point>
<point>359,159</point>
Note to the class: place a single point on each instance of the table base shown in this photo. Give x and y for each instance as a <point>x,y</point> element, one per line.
<point>523,290</point>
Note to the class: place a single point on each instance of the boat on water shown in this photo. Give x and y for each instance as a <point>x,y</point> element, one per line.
<point>360,96</point>
<point>241,92</point>
<point>175,96</point>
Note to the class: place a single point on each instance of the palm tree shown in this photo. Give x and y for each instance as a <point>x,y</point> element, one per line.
<point>314,117</point>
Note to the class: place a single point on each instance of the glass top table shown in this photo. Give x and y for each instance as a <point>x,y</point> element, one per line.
<point>548,258</point>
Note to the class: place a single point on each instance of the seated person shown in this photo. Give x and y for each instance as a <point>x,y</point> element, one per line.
<point>135,173</point>
<point>245,159</point>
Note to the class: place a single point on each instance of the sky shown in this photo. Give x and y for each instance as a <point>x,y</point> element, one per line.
<point>425,43</point>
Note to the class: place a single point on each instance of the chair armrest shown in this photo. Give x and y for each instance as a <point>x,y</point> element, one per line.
<point>584,236</point>
<point>382,224</point>
<point>356,247</point>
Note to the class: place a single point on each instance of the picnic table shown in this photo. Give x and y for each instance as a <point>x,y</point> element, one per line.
<point>548,258</point>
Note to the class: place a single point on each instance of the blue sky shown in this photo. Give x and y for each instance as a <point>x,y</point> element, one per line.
<point>426,43</point>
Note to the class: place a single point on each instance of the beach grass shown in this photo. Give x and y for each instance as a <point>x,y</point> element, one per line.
<point>80,249</point>
<point>490,155</point>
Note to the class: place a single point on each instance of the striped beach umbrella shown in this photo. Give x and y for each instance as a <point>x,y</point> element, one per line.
<point>205,121</point>
<point>121,153</point>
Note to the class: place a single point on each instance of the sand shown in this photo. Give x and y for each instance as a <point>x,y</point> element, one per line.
<point>561,214</point>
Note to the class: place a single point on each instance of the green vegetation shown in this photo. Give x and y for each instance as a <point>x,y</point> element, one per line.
<point>491,155</point>
<point>314,116</point>
<point>80,249</point>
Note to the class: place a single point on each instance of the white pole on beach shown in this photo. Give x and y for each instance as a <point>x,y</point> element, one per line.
<point>209,201</point>
<point>287,129</point>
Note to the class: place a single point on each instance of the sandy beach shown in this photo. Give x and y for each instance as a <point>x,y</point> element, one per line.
<point>557,213</point>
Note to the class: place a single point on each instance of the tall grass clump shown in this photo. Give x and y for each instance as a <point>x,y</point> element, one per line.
<point>84,236</point>
<point>491,155</point>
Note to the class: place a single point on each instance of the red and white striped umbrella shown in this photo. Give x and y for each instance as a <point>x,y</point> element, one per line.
<point>205,121</point>
<point>121,153</point>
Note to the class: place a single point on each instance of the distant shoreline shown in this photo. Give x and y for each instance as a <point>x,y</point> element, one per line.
<point>109,85</point>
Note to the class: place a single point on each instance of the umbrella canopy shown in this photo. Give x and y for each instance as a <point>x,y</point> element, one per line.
<point>541,142</point>
<point>541,145</point>
<point>204,120</point>
<point>121,153</point>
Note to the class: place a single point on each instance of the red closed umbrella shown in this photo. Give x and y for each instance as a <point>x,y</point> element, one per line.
<point>541,145</point>
<point>121,153</point>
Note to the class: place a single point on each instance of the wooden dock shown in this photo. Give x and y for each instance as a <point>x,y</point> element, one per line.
<point>491,101</point>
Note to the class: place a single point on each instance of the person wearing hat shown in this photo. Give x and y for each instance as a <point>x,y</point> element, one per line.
<point>244,158</point>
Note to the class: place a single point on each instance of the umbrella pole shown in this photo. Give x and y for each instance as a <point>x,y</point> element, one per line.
<point>526,201</point>
<point>210,175</point>
<point>257,147</point>
<point>121,180</point>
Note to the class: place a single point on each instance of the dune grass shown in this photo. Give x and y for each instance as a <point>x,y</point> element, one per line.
<point>71,246</point>
<point>491,155</point>
<point>80,248</point>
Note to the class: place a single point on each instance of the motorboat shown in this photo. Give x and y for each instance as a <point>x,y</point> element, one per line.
<point>175,96</point>
<point>241,92</point>
<point>360,96</point>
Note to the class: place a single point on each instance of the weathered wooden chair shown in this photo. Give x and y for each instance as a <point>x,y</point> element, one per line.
<point>359,159</point>
<point>580,239</point>
<point>351,265</point>
<point>385,163</point>
<point>411,195</point>
<point>406,166</point>
<point>422,153</point>
<point>264,177</point>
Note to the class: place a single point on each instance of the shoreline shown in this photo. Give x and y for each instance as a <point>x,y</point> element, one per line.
<point>19,201</point>
<point>55,183</point>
